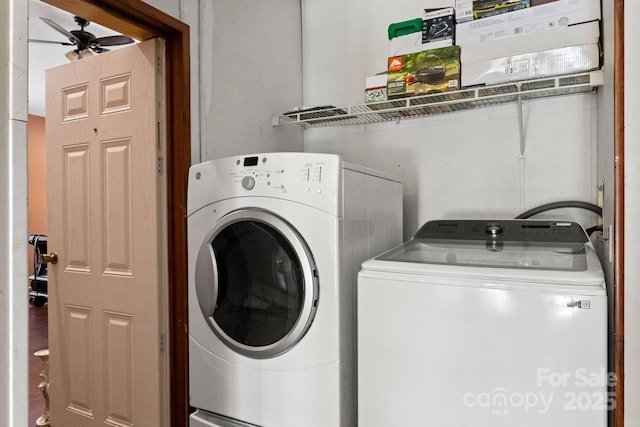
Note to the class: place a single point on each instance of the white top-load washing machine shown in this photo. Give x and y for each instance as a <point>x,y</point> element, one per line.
<point>477,323</point>
<point>275,244</point>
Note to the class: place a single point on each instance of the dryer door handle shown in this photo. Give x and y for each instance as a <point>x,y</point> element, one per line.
<point>206,279</point>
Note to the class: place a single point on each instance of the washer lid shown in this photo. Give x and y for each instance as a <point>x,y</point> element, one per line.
<point>516,244</point>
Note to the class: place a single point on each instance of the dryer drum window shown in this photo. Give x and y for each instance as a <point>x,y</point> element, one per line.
<point>261,294</point>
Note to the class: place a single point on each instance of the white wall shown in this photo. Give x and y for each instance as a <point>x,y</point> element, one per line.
<point>188,12</point>
<point>632,213</point>
<point>246,65</point>
<point>459,165</point>
<point>13,214</point>
<point>250,69</point>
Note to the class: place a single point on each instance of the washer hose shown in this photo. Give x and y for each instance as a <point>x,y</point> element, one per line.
<point>568,204</point>
<point>557,205</point>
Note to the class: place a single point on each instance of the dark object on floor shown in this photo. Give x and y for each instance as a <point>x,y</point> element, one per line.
<point>39,279</point>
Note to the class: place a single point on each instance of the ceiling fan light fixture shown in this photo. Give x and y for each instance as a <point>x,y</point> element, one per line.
<point>74,55</point>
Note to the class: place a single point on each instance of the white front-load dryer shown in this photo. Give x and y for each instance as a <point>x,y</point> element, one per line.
<point>275,244</point>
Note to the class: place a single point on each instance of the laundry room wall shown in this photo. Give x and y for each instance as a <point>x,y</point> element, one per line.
<point>246,65</point>
<point>250,68</point>
<point>460,165</point>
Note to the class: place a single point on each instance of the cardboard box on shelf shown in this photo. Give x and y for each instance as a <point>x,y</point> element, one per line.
<point>438,28</point>
<point>405,37</point>
<point>376,88</point>
<point>562,50</point>
<point>420,73</point>
<point>433,30</point>
<point>464,11</point>
<point>485,8</point>
<point>534,19</point>
<point>539,2</point>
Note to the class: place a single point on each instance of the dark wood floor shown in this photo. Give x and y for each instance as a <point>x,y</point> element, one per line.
<point>38,340</point>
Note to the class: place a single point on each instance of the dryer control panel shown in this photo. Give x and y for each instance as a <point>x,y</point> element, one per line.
<point>267,173</point>
<point>313,179</point>
<point>309,178</point>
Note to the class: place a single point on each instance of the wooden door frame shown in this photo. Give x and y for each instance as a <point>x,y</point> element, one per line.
<point>618,214</point>
<point>142,22</point>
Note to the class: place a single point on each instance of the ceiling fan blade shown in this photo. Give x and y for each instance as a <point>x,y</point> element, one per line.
<point>99,49</point>
<point>59,28</point>
<point>112,40</point>
<point>50,42</point>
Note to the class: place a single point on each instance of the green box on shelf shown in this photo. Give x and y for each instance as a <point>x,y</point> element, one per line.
<point>421,73</point>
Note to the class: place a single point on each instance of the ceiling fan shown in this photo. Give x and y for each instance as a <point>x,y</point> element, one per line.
<point>85,42</point>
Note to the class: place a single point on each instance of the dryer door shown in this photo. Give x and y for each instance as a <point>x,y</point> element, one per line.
<point>256,283</point>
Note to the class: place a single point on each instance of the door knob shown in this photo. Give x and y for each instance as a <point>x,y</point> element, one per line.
<point>52,258</point>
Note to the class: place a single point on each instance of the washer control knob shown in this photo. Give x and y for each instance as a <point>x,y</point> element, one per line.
<point>494,229</point>
<point>248,182</point>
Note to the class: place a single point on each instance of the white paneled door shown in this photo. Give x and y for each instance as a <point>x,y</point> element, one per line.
<point>105,219</point>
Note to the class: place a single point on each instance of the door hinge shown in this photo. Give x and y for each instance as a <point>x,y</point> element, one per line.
<point>160,166</point>
<point>162,345</point>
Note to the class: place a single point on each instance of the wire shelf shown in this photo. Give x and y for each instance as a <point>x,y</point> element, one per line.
<point>442,103</point>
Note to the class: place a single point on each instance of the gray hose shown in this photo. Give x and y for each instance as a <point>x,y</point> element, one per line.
<point>557,205</point>
<point>568,204</point>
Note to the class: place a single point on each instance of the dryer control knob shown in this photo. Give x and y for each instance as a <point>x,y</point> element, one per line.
<point>494,229</point>
<point>248,182</point>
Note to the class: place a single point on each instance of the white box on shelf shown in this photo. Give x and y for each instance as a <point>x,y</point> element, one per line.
<point>375,88</point>
<point>531,20</point>
<point>408,43</point>
<point>405,37</point>
<point>561,50</point>
<point>412,43</point>
<point>464,11</point>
